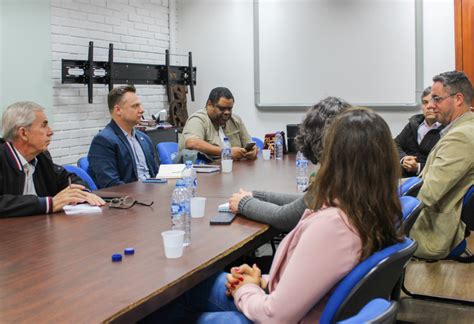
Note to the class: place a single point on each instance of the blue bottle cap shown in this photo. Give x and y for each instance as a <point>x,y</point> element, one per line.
<point>116,257</point>
<point>129,251</point>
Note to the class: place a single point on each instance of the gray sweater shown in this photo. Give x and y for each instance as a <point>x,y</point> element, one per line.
<point>280,210</point>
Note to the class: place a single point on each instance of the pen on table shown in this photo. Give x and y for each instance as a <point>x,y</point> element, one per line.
<point>69,181</point>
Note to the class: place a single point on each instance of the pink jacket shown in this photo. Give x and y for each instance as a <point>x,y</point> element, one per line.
<point>310,261</point>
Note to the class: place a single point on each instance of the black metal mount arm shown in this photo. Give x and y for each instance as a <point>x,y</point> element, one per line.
<point>89,72</point>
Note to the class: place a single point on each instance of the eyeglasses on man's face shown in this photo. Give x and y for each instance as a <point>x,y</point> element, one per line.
<point>437,99</point>
<point>126,202</point>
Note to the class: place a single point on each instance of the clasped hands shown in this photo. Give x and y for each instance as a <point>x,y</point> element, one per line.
<point>409,163</point>
<point>244,275</point>
<point>235,200</point>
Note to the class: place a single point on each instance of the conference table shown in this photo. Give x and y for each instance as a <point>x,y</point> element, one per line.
<point>58,268</point>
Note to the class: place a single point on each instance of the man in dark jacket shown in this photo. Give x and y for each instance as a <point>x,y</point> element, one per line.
<point>119,153</point>
<point>418,137</point>
<point>30,183</point>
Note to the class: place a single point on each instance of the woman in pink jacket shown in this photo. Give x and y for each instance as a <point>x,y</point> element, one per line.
<point>354,209</point>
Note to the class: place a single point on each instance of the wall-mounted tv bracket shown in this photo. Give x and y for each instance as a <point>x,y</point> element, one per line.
<point>110,72</point>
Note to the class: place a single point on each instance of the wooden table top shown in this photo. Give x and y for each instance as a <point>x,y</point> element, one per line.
<point>57,268</point>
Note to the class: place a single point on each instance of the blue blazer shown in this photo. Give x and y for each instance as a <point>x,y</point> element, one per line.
<point>111,159</point>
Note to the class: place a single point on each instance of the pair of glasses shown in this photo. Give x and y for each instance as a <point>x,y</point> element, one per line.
<point>437,99</point>
<point>221,108</point>
<point>126,202</point>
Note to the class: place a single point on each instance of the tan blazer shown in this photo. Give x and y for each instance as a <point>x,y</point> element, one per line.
<point>448,173</point>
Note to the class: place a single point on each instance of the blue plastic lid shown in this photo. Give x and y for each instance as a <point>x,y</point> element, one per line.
<point>116,257</point>
<point>129,251</point>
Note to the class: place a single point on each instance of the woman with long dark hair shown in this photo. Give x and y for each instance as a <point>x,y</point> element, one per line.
<point>353,212</point>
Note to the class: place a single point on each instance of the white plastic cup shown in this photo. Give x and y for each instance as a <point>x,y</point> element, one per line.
<point>226,166</point>
<point>198,205</point>
<point>173,241</point>
<point>266,154</point>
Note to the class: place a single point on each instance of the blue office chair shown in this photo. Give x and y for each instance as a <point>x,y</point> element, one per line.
<point>375,277</point>
<point>411,208</point>
<point>167,151</point>
<point>258,142</point>
<point>81,174</point>
<point>83,163</point>
<point>377,311</point>
<point>410,187</point>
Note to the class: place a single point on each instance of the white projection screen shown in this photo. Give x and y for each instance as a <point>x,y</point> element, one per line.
<point>360,50</point>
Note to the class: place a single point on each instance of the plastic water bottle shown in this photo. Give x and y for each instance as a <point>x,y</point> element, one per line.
<point>190,178</point>
<point>180,211</point>
<point>278,147</point>
<point>302,165</point>
<point>226,153</point>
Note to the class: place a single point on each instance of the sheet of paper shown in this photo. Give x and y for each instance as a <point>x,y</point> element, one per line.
<point>81,209</point>
<point>170,171</point>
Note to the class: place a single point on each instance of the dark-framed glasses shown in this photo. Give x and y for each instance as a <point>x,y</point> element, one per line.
<point>126,202</point>
<point>438,99</point>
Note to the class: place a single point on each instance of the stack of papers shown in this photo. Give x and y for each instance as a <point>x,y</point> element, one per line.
<point>81,209</point>
<point>170,171</point>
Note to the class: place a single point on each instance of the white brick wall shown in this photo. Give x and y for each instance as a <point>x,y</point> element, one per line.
<point>132,26</point>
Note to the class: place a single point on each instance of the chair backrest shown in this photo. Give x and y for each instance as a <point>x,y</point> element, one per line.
<point>377,311</point>
<point>467,213</point>
<point>167,151</point>
<point>258,142</point>
<point>81,174</point>
<point>375,277</point>
<point>411,208</point>
<point>83,163</point>
<point>410,187</point>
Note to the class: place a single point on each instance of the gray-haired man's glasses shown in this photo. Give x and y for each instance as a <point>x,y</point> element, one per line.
<point>437,99</point>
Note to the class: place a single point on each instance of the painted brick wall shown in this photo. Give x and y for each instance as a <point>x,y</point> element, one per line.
<point>140,32</point>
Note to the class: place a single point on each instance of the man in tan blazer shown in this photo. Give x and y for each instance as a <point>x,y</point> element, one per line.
<point>449,170</point>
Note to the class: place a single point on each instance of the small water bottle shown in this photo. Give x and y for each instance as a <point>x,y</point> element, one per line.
<point>302,165</point>
<point>180,211</point>
<point>190,178</point>
<point>226,153</point>
<point>278,146</point>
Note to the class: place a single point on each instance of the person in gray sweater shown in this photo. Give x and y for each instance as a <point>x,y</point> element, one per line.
<point>283,210</point>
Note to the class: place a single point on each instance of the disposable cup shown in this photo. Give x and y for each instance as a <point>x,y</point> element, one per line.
<point>226,166</point>
<point>198,205</point>
<point>173,241</point>
<point>266,154</point>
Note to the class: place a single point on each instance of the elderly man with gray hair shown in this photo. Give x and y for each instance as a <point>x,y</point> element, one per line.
<point>30,183</point>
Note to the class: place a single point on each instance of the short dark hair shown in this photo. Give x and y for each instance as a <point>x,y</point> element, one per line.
<point>219,92</point>
<point>456,82</point>
<point>116,94</point>
<point>318,118</point>
<point>426,92</point>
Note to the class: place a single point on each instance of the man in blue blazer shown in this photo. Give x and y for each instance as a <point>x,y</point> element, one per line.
<point>119,153</point>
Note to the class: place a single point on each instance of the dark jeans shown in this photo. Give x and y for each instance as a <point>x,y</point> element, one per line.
<point>205,303</point>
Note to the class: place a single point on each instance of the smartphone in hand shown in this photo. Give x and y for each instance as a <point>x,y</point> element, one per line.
<point>222,219</point>
<point>249,146</point>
